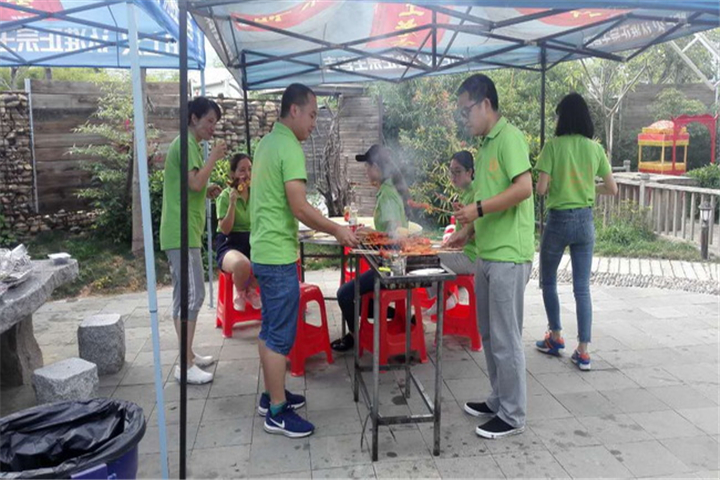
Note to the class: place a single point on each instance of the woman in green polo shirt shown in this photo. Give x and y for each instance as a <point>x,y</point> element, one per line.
<point>568,166</point>
<point>389,215</point>
<point>233,238</point>
<point>462,174</point>
<point>203,115</point>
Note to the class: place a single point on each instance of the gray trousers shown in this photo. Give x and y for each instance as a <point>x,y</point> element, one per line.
<point>500,291</point>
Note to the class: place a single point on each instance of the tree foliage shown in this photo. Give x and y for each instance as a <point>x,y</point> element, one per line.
<point>110,190</point>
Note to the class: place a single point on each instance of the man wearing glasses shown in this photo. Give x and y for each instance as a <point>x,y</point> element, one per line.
<point>503,220</point>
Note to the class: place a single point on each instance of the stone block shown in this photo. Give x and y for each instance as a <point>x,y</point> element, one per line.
<point>71,379</point>
<point>101,340</point>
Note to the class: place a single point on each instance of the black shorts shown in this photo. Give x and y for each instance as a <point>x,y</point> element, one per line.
<point>239,241</point>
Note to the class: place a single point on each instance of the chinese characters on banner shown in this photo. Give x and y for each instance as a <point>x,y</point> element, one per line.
<point>283,19</point>
<point>389,18</point>
<point>575,18</point>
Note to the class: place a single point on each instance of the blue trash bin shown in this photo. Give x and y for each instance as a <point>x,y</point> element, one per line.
<point>89,439</point>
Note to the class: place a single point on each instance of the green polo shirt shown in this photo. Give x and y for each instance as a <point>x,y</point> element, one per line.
<point>242,211</point>
<point>170,216</point>
<point>467,197</point>
<point>506,236</point>
<point>278,159</point>
<point>572,162</point>
<point>389,208</point>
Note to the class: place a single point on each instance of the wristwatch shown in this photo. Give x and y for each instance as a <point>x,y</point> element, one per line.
<point>478,204</point>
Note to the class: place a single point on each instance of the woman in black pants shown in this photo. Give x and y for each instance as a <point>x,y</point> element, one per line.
<point>389,215</point>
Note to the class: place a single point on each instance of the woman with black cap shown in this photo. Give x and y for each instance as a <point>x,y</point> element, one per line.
<point>389,216</point>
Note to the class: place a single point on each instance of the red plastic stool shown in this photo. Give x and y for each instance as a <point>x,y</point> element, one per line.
<point>461,320</point>
<point>226,315</point>
<point>392,333</point>
<point>309,339</point>
<point>349,266</point>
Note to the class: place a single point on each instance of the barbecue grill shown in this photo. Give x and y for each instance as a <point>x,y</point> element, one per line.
<point>376,256</point>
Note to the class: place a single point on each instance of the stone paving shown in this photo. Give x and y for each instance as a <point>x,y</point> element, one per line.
<point>649,408</point>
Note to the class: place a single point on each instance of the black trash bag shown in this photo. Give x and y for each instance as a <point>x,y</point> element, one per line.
<point>59,439</point>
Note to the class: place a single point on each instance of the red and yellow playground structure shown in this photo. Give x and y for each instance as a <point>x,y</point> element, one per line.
<point>672,134</point>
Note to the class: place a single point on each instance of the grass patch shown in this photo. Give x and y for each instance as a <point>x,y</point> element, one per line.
<point>321,263</point>
<point>628,233</point>
<point>105,267</point>
<point>655,248</point>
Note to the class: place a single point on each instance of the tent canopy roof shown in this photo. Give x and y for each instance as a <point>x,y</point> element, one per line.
<point>318,42</point>
<point>93,33</point>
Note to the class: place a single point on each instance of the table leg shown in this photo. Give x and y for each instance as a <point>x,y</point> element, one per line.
<point>408,327</point>
<point>356,332</point>
<point>438,367</point>
<point>376,368</point>
<point>343,259</point>
<point>302,262</point>
<point>20,354</point>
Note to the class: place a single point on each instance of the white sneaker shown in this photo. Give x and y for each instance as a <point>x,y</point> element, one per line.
<point>254,298</point>
<point>195,376</point>
<point>239,302</point>
<point>203,361</point>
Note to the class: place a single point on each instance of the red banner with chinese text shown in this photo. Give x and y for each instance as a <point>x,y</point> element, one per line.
<point>574,18</point>
<point>284,19</point>
<point>8,14</point>
<point>394,17</point>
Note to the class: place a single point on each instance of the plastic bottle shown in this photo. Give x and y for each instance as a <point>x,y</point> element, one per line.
<point>449,230</point>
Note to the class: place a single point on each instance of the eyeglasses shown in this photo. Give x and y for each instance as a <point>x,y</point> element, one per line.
<point>464,112</point>
<point>456,173</point>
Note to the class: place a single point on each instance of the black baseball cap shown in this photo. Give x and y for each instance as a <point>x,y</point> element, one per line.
<point>371,155</point>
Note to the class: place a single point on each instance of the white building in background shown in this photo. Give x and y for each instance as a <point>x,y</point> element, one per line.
<point>218,80</point>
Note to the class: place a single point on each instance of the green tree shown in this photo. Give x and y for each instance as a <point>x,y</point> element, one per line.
<point>670,103</point>
<point>112,176</point>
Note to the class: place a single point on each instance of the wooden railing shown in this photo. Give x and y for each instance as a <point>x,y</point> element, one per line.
<point>672,209</point>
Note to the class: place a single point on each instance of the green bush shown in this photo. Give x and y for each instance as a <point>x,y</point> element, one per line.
<point>627,225</point>
<point>707,176</point>
<point>7,237</point>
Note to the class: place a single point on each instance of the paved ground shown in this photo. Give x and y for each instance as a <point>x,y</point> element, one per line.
<point>648,409</point>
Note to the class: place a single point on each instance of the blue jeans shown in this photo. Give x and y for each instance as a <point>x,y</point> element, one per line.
<point>346,297</point>
<point>280,295</point>
<point>572,228</point>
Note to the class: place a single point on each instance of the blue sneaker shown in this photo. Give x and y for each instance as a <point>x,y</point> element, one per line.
<point>287,422</point>
<point>550,346</point>
<point>582,360</point>
<point>295,401</point>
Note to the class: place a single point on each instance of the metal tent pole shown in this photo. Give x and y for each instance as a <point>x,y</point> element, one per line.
<point>208,211</point>
<point>28,89</point>
<point>245,104</point>
<point>184,246</point>
<point>541,202</point>
<point>141,148</point>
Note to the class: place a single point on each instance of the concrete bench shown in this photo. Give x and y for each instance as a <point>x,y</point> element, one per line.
<point>101,340</point>
<point>71,379</point>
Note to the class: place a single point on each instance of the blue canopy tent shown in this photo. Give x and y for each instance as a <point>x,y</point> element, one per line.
<point>270,44</point>
<point>107,34</point>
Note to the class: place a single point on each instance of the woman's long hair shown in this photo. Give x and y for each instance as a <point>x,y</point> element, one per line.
<point>574,117</point>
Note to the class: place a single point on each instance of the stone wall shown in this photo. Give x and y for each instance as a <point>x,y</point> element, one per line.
<point>231,126</point>
<point>17,205</point>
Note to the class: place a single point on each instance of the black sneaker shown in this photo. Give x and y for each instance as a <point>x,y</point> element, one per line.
<point>497,428</point>
<point>343,344</point>
<point>477,409</point>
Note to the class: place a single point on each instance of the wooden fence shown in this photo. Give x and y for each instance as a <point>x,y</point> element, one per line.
<point>673,210</point>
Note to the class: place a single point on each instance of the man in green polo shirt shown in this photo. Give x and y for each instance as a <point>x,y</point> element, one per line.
<point>277,202</point>
<point>503,220</point>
